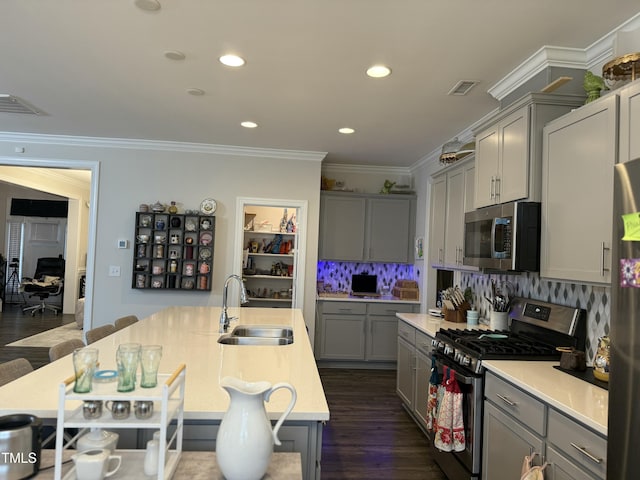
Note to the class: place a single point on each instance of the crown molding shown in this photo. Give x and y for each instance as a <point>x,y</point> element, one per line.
<point>547,56</point>
<point>346,168</point>
<point>97,142</point>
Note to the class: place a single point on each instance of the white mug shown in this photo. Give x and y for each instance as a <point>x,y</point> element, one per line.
<point>94,464</point>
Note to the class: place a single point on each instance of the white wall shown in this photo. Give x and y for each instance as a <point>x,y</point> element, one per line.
<point>131,173</point>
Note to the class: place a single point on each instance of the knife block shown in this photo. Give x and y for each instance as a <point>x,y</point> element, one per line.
<point>458,315</point>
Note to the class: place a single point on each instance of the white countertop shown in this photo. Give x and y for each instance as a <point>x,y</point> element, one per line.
<point>430,325</point>
<point>189,335</point>
<point>576,398</point>
<point>327,297</point>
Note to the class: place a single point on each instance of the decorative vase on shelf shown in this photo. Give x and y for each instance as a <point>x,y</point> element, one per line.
<point>173,208</point>
<point>245,439</point>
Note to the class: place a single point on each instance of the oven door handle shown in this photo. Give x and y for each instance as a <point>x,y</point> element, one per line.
<point>460,377</point>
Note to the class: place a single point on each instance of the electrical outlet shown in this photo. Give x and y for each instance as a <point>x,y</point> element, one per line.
<point>114,270</point>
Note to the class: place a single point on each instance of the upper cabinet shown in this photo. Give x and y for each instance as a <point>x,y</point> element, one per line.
<point>577,190</point>
<point>509,148</point>
<point>451,197</point>
<point>630,122</point>
<point>438,219</point>
<point>367,228</point>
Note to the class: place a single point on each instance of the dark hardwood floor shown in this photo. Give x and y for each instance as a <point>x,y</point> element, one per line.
<point>15,325</point>
<point>370,435</point>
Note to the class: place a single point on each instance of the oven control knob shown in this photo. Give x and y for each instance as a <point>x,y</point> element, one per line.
<point>465,360</point>
<point>448,350</point>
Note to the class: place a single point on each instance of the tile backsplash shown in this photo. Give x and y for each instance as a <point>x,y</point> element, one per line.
<point>594,299</point>
<point>336,276</point>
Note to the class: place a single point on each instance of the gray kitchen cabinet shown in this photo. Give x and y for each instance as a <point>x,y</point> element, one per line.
<point>405,376</point>
<point>577,183</point>
<point>517,424</point>
<point>342,331</point>
<point>561,468</point>
<point>584,449</point>
<point>509,148</point>
<point>437,220</point>
<point>413,371</point>
<point>629,122</point>
<point>505,443</point>
<point>358,331</point>
<point>452,196</point>
<point>513,426</point>
<point>342,227</point>
<point>382,325</point>
<point>369,228</point>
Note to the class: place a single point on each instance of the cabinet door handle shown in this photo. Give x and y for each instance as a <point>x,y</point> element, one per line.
<point>492,188</point>
<point>497,191</point>
<point>345,310</point>
<point>603,249</point>
<point>586,453</point>
<point>506,400</point>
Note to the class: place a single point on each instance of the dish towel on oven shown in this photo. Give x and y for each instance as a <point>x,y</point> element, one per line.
<point>432,397</point>
<point>450,435</point>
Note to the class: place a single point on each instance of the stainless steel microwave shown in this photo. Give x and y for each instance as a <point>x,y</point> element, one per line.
<point>503,237</point>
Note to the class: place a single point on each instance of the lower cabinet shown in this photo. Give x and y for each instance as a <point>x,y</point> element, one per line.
<point>413,370</point>
<point>517,424</point>
<point>358,331</point>
<point>505,443</point>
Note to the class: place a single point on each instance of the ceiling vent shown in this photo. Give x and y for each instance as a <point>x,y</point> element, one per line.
<point>11,104</point>
<point>462,87</point>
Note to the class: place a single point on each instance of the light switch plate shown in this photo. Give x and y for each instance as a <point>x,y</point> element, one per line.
<point>114,270</point>
<point>123,243</point>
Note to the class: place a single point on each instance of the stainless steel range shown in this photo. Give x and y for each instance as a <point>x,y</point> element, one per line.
<point>537,328</point>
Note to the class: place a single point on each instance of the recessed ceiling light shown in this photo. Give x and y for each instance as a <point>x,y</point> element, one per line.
<point>346,130</point>
<point>195,91</point>
<point>232,60</point>
<point>378,71</point>
<point>249,124</point>
<point>149,5</point>
<point>174,55</point>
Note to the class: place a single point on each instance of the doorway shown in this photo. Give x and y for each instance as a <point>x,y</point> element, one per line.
<point>63,178</point>
<point>270,251</point>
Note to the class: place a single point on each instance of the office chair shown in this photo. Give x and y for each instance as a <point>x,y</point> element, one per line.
<point>48,281</point>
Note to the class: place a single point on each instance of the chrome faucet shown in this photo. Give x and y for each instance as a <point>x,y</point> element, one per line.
<point>224,316</point>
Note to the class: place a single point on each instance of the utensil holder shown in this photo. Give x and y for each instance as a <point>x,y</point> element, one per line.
<point>499,320</point>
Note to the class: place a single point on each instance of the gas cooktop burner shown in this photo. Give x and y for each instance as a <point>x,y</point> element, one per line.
<point>537,329</point>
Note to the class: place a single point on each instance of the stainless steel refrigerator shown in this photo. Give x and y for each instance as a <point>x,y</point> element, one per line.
<point>623,461</point>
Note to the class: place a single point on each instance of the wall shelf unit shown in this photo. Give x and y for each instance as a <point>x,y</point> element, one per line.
<point>173,251</point>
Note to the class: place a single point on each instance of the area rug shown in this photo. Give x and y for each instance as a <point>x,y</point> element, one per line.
<point>51,337</point>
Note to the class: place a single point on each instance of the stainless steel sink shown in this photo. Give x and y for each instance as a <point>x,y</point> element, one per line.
<point>263,331</point>
<point>230,339</point>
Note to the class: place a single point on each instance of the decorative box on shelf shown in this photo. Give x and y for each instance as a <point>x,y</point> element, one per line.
<point>173,251</point>
<point>406,290</point>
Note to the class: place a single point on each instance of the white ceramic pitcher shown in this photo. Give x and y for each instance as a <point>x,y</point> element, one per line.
<point>244,443</point>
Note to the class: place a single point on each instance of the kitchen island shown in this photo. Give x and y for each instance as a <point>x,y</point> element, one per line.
<point>189,335</point>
